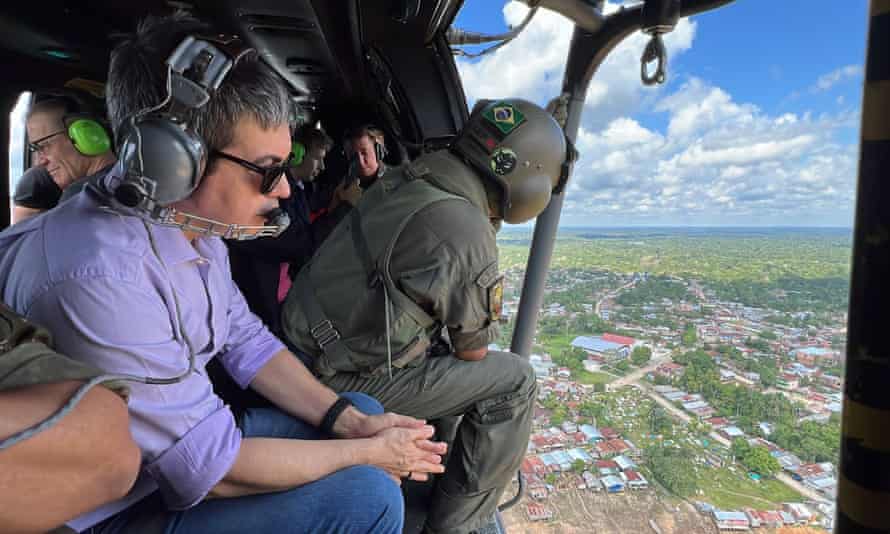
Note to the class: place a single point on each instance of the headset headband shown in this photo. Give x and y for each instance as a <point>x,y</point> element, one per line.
<point>199,65</point>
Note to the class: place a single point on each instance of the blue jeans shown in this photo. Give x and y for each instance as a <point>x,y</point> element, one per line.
<point>360,499</point>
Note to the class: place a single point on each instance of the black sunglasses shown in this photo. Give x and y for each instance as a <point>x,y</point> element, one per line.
<point>271,174</point>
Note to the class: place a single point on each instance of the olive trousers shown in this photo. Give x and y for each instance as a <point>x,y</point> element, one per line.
<point>495,397</point>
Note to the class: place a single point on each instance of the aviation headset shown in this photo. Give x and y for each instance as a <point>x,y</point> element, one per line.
<point>304,137</point>
<point>298,150</point>
<point>374,133</point>
<point>83,120</point>
<point>163,157</point>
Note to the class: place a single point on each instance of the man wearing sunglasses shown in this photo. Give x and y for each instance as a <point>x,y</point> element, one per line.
<point>131,276</point>
<point>69,140</point>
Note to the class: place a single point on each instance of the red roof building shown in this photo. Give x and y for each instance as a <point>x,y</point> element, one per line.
<point>670,370</point>
<point>533,465</point>
<point>538,512</point>
<point>540,442</point>
<point>609,433</point>
<point>612,447</point>
<point>717,422</point>
<point>621,340</point>
<point>605,464</point>
<point>810,471</point>
<point>770,519</point>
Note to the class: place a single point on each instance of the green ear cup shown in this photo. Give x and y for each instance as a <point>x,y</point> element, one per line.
<point>89,137</point>
<point>299,152</point>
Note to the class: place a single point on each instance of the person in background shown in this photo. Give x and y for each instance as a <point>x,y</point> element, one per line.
<point>35,192</point>
<point>262,268</point>
<point>364,147</point>
<point>71,143</point>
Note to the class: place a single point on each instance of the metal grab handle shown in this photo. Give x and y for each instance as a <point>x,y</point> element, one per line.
<point>655,51</point>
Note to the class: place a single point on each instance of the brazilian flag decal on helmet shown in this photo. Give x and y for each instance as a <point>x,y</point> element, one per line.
<point>505,117</point>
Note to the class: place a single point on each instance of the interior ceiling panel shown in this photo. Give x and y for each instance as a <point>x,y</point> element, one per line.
<point>320,47</point>
<point>287,34</point>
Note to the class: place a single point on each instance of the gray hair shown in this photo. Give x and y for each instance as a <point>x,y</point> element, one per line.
<point>137,79</point>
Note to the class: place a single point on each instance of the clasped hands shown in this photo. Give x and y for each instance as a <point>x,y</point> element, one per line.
<point>399,444</point>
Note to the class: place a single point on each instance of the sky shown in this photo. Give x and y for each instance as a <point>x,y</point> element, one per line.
<point>756,125</point>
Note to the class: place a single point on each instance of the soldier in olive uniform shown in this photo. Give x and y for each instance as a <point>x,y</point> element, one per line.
<point>52,472</point>
<point>418,256</point>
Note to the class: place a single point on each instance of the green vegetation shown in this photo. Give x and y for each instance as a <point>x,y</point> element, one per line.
<point>787,294</point>
<point>810,441</point>
<point>578,466</point>
<point>756,459</point>
<point>641,355</point>
<point>653,290</point>
<point>592,379</point>
<point>733,491</point>
<point>658,421</point>
<point>764,256</point>
<point>786,270</point>
<point>689,336</point>
<point>765,367</point>
<point>672,468</point>
<point>677,466</point>
<point>559,415</point>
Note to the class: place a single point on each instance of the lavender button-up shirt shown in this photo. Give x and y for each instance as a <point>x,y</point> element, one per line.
<point>91,276</point>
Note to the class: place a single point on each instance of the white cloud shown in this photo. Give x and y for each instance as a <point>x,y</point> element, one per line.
<point>827,81</point>
<point>713,159</point>
<point>732,172</point>
<point>718,162</point>
<point>626,131</point>
<point>532,65</point>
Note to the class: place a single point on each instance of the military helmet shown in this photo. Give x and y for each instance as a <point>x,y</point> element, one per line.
<point>521,148</point>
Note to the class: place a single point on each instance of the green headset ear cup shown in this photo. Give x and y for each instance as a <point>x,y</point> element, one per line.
<point>89,137</point>
<point>299,152</point>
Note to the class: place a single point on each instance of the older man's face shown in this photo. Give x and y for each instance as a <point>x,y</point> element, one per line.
<point>56,152</point>
<point>229,192</point>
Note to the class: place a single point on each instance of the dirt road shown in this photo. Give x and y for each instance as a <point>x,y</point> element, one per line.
<point>807,492</point>
<point>635,376</point>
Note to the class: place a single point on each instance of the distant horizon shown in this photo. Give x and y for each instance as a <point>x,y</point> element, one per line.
<point>742,226</point>
<point>690,226</point>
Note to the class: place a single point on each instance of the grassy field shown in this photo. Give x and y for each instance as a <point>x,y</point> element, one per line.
<point>731,491</point>
<point>556,344</point>
<point>591,379</point>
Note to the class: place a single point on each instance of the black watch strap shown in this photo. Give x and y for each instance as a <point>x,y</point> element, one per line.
<point>330,417</point>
